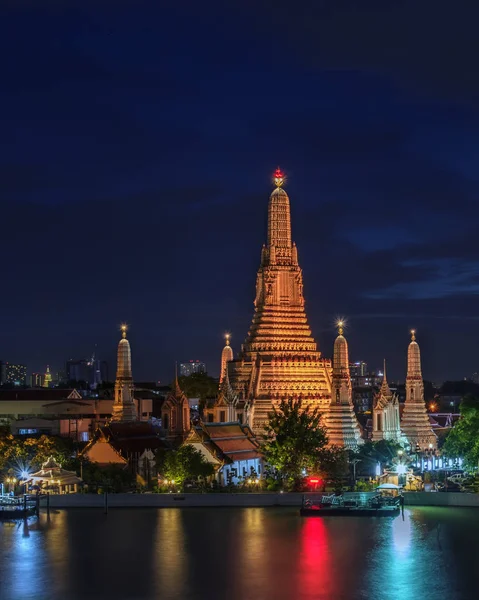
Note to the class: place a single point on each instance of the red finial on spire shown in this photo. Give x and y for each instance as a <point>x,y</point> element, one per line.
<point>278,177</point>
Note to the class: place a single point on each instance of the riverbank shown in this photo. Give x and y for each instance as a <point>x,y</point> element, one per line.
<point>234,500</point>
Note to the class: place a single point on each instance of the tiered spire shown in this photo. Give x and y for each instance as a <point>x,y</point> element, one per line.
<point>385,389</point>
<point>124,408</point>
<point>342,425</point>
<point>415,421</point>
<point>279,359</point>
<point>226,356</point>
<point>386,423</point>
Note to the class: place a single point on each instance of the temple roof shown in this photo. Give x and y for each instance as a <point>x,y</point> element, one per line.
<point>128,437</point>
<point>227,441</point>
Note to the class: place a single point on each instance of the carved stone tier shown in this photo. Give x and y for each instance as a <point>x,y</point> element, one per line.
<point>341,422</point>
<point>415,421</point>
<point>279,359</point>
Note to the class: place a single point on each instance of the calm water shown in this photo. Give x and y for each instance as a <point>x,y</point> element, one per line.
<point>241,554</point>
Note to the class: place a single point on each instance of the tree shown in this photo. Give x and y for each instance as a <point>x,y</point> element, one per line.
<point>184,464</point>
<point>293,437</point>
<point>463,439</point>
<point>332,466</point>
<point>370,454</point>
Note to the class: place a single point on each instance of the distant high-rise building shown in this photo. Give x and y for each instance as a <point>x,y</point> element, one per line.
<point>47,380</point>
<point>36,380</point>
<point>3,372</point>
<point>193,366</point>
<point>358,369</point>
<point>92,371</point>
<point>13,374</point>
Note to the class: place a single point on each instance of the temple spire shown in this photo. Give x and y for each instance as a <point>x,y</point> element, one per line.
<point>415,420</point>
<point>385,389</point>
<point>342,425</point>
<point>124,408</point>
<point>226,356</point>
<point>279,217</point>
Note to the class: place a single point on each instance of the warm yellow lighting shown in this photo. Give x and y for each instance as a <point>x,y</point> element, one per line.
<point>341,324</point>
<point>257,481</point>
<point>250,481</point>
<point>413,334</point>
<point>124,329</point>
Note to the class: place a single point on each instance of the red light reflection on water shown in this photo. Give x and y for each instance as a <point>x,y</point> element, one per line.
<point>315,576</point>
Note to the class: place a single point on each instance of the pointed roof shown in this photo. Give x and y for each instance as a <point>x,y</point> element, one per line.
<point>226,392</point>
<point>123,369</point>
<point>176,394</point>
<point>385,390</point>
<point>340,353</point>
<point>413,358</point>
<point>226,356</point>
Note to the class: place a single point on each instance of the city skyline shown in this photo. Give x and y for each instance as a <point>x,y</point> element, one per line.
<point>136,163</point>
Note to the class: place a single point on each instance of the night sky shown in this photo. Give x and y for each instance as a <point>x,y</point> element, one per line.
<point>137,144</point>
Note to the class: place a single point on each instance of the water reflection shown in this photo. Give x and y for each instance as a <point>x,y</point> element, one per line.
<point>170,556</point>
<point>315,578</point>
<point>240,554</point>
<point>401,533</point>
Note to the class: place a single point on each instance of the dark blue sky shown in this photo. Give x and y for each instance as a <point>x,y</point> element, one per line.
<point>136,150</point>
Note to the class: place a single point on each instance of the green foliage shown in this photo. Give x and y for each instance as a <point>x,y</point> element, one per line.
<point>293,437</point>
<point>184,464</point>
<point>199,385</point>
<point>332,466</point>
<point>463,439</point>
<point>365,486</point>
<point>111,478</point>
<point>29,453</point>
<point>370,454</point>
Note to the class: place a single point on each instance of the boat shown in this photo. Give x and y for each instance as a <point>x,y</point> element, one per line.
<point>12,508</point>
<point>351,504</point>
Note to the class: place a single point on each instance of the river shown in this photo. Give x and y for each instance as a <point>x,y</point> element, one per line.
<point>240,554</point>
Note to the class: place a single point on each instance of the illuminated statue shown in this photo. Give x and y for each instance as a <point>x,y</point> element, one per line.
<point>124,408</point>
<point>386,423</point>
<point>279,359</point>
<point>341,422</point>
<point>226,356</point>
<point>415,423</point>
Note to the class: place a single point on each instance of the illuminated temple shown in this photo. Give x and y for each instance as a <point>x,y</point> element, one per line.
<point>279,359</point>
<point>415,423</point>
<point>341,422</point>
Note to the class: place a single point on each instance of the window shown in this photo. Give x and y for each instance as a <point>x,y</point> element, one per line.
<point>210,418</point>
<point>165,421</point>
<point>222,416</point>
<point>27,431</point>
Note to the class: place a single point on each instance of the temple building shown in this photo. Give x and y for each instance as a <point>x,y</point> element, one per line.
<point>415,423</point>
<point>175,413</point>
<point>226,356</point>
<point>124,409</point>
<point>125,440</point>
<point>386,422</point>
<point>279,359</point>
<point>341,422</point>
<point>225,408</point>
<point>231,448</point>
